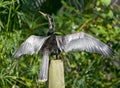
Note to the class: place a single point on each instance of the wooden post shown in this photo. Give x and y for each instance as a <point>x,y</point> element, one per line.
<point>56,74</point>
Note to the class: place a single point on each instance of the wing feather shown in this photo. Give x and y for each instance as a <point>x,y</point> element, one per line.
<point>30,45</point>
<point>84,42</point>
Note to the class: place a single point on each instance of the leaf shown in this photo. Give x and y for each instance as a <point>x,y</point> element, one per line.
<point>1,24</point>
<point>106,2</point>
<point>110,14</point>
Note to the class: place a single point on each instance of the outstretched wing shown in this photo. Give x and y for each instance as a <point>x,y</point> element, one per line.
<point>83,41</point>
<point>31,45</point>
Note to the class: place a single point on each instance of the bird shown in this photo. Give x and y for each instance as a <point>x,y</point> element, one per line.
<point>53,44</point>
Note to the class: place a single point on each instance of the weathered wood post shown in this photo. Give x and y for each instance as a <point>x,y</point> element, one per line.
<point>56,74</point>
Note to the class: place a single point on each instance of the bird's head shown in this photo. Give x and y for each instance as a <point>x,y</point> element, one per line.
<point>45,15</point>
<point>51,23</point>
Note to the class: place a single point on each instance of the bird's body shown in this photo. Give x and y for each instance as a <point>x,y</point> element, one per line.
<point>53,44</point>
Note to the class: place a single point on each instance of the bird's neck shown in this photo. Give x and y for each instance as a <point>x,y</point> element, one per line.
<point>51,25</point>
<point>50,33</point>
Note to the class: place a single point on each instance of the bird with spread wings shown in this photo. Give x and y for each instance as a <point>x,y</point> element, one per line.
<point>53,44</point>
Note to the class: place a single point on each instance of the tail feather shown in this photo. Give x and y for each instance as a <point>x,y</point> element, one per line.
<point>43,76</point>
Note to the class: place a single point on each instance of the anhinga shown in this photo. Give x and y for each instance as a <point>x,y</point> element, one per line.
<point>53,44</point>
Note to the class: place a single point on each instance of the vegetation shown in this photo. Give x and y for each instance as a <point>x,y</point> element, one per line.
<point>18,20</point>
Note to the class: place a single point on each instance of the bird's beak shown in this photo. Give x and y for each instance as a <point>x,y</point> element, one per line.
<point>42,13</point>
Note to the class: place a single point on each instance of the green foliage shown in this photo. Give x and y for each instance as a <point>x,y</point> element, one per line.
<point>82,70</point>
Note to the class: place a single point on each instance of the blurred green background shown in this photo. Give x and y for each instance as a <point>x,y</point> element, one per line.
<point>20,18</point>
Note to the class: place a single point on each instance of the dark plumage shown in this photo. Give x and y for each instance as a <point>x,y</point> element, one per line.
<point>53,44</point>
